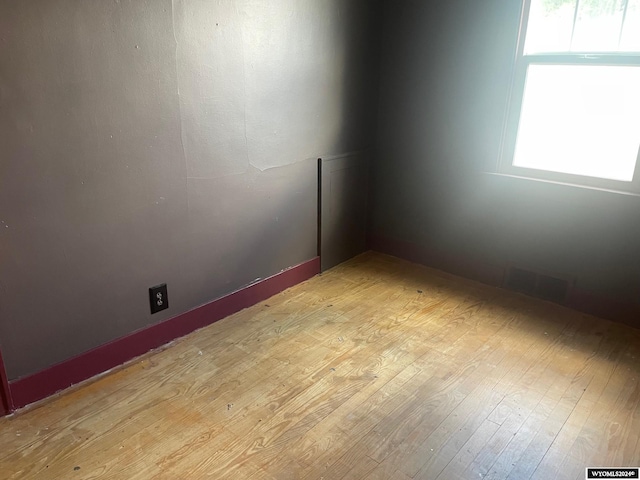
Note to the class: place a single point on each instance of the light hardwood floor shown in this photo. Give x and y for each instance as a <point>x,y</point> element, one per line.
<point>377,369</point>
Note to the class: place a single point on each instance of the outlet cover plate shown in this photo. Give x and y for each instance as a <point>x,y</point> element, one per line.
<point>158,298</point>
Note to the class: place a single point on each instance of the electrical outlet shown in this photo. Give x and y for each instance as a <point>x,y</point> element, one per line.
<point>158,298</point>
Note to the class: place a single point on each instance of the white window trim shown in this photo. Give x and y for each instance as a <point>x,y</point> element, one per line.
<point>512,117</point>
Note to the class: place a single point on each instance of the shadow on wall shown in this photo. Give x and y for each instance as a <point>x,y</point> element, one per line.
<point>444,87</point>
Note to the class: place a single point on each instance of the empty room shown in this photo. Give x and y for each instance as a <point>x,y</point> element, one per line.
<point>319,239</point>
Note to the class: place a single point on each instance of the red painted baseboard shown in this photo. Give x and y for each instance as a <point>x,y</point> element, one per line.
<point>6,405</point>
<point>585,301</point>
<point>26,390</point>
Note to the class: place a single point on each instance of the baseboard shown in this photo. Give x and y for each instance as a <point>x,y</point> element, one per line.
<point>38,386</point>
<point>592,303</point>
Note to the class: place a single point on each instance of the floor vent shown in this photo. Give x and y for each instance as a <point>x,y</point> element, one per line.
<point>537,285</point>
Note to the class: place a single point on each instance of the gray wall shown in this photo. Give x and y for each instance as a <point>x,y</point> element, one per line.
<point>445,78</point>
<point>149,141</point>
<point>344,191</point>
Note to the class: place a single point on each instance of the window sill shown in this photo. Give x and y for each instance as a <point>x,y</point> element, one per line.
<point>562,184</point>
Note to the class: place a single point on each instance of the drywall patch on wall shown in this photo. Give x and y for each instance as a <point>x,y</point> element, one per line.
<point>268,84</point>
<point>211,86</point>
<point>308,84</point>
<point>294,85</point>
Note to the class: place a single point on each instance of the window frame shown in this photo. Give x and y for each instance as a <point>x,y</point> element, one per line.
<point>514,107</point>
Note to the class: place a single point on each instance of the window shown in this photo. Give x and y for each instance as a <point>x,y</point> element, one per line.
<point>574,114</point>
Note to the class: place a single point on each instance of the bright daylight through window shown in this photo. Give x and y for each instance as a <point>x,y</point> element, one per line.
<point>575,109</point>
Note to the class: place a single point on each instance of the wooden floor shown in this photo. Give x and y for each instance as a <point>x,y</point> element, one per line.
<point>378,369</point>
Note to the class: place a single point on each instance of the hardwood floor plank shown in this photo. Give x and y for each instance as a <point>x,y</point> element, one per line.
<point>469,450</point>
